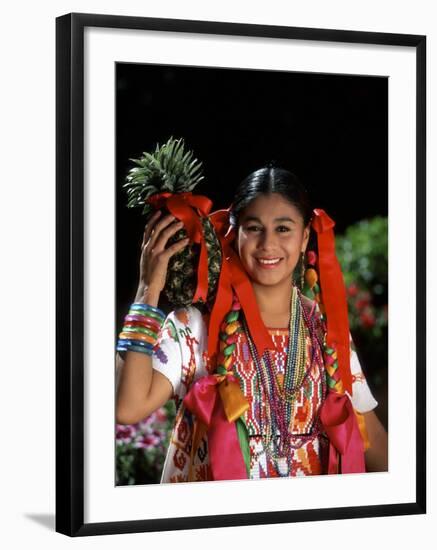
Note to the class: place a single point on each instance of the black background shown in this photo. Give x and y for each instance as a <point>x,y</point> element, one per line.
<point>330,130</point>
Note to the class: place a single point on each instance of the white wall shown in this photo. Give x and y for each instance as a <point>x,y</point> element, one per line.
<point>27,219</point>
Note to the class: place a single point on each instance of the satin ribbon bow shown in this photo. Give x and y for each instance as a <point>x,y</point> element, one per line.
<point>188,208</point>
<point>346,447</point>
<point>217,401</point>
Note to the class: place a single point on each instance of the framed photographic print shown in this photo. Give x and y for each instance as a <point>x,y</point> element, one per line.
<point>149,107</point>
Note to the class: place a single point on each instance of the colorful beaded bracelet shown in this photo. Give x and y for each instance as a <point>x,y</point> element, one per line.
<point>141,327</point>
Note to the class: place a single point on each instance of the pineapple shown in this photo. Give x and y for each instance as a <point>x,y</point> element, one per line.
<point>170,169</point>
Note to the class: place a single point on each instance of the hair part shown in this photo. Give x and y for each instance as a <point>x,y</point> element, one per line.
<point>265,181</point>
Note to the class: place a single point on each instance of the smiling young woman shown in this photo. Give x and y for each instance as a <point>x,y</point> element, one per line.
<point>278,429</point>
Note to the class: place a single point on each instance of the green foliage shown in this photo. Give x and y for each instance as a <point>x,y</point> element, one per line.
<point>363,255</point>
<point>168,169</point>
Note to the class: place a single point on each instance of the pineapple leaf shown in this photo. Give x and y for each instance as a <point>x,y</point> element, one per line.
<point>169,168</point>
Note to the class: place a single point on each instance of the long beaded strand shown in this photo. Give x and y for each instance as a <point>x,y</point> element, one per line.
<point>276,414</point>
<point>273,417</point>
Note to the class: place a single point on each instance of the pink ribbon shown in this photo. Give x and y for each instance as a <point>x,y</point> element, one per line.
<point>346,449</point>
<point>225,456</point>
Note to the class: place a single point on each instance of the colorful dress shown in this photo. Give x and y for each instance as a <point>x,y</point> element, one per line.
<point>181,356</point>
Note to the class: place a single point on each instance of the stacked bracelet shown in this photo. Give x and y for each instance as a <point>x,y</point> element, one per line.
<point>141,328</point>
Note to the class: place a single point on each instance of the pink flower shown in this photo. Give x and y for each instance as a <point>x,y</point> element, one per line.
<point>146,440</point>
<point>146,424</point>
<point>161,415</point>
<point>125,433</point>
<point>352,289</point>
<point>367,318</point>
<point>363,299</point>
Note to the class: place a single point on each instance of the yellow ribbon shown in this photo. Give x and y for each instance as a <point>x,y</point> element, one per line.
<point>233,399</point>
<point>363,430</point>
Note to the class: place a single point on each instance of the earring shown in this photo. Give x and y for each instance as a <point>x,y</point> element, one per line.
<point>302,270</point>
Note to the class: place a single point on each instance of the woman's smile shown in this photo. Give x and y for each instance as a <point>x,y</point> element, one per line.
<point>268,263</point>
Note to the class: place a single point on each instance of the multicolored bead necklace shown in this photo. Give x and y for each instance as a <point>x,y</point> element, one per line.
<point>278,403</point>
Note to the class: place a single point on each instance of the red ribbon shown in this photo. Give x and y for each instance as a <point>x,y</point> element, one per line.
<point>188,208</point>
<point>234,277</point>
<point>225,456</point>
<point>346,448</point>
<point>333,295</point>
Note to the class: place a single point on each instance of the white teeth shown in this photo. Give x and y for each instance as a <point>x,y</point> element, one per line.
<point>269,262</point>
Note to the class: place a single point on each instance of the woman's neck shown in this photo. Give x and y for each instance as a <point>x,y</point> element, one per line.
<point>274,304</point>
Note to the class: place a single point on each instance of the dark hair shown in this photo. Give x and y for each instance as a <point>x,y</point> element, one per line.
<point>267,180</point>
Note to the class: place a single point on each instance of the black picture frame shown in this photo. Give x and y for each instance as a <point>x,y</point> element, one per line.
<point>70,272</point>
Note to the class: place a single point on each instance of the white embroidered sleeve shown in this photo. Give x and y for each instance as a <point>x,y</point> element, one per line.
<point>167,355</point>
<point>362,398</point>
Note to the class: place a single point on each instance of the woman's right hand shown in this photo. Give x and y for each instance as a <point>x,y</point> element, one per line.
<point>155,255</point>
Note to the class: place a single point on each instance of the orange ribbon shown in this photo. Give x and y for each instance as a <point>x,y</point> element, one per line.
<point>233,277</point>
<point>363,430</point>
<point>333,295</point>
<point>234,401</point>
<point>189,208</point>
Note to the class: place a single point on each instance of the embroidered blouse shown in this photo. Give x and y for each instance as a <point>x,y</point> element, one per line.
<point>181,355</point>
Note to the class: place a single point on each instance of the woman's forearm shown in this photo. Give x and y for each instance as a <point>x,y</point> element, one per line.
<point>377,455</point>
<point>134,377</point>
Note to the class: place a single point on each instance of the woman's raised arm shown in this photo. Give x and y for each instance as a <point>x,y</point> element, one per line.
<point>139,389</point>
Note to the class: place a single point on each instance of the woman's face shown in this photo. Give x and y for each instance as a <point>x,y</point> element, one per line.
<point>271,238</point>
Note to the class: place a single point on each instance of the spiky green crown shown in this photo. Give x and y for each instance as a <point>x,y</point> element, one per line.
<point>168,169</point>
